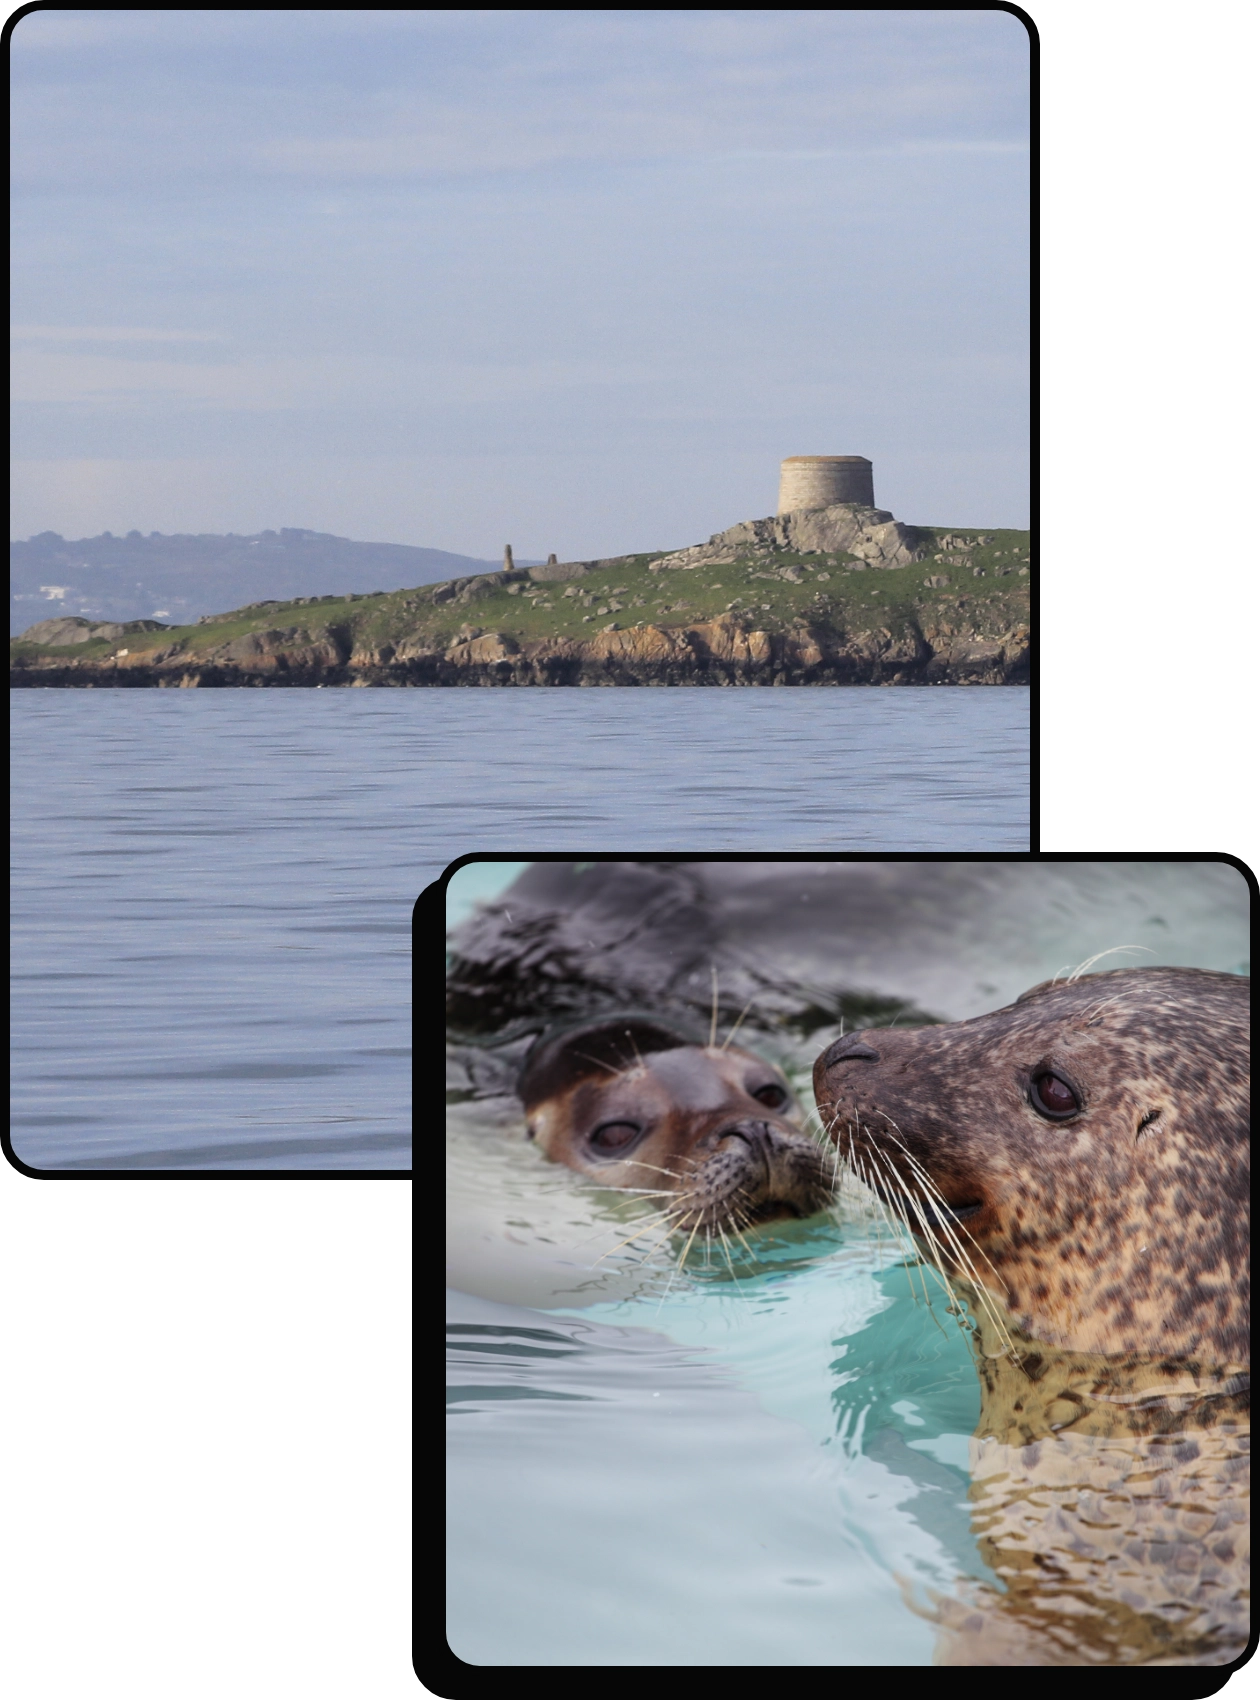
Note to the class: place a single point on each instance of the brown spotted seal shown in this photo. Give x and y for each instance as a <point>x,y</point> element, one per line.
<point>1081,1159</point>
<point>1090,1143</point>
<point>641,1105</point>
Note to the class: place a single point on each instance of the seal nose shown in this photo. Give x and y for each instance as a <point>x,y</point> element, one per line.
<point>759,1136</point>
<point>851,1048</point>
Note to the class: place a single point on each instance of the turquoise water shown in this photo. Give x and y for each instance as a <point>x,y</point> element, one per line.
<point>764,1465</point>
<point>733,1476</point>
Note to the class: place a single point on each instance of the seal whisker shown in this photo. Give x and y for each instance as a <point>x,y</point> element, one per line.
<point>736,1230</point>
<point>960,1252</point>
<point>730,1264</point>
<point>875,1187</point>
<point>665,1294</point>
<point>709,1122</point>
<point>651,1221</point>
<point>914,1204</point>
<point>947,1226</point>
<point>638,1055</point>
<point>683,1254</point>
<point>600,1063</point>
<point>647,1228</point>
<point>1090,1280</point>
<point>735,1029</point>
<point>1084,967</point>
<point>827,1153</point>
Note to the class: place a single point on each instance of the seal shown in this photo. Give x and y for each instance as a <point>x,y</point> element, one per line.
<point>1082,1154</point>
<point>1078,1165</point>
<point>640,1105</point>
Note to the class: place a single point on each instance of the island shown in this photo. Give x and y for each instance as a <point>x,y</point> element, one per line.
<point>837,595</point>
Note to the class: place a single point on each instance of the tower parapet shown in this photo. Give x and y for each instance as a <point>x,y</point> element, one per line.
<point>820,481</point>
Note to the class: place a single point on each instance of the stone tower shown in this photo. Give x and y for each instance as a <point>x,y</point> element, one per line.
<point>818,481</point>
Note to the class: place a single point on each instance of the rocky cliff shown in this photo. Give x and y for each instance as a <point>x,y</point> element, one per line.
<point>845,595</point>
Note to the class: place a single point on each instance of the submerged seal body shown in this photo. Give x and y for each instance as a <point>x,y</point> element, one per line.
<point>1080,1159</point>
<point>639,1105</point>
<point>1087,1148</point>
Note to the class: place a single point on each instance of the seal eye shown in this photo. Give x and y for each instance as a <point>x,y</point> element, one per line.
<point>614,1136</point>
<point>773,1097</point>
<point>1053,1097</point>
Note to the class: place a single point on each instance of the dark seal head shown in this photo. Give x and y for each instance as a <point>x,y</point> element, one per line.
<point>1084,1150</point>
<point>639,1105</point>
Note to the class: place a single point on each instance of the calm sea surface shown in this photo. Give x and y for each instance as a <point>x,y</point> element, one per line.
<point>212,889</point>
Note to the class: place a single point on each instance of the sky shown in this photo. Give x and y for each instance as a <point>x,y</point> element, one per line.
<point>573,280</point>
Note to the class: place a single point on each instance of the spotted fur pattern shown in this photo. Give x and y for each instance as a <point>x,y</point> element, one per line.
<point>1122,1229</point>
<point>1110,1466</point>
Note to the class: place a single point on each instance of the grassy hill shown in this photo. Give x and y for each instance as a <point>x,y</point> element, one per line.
<point>959,614</point>
<point>178,578</point>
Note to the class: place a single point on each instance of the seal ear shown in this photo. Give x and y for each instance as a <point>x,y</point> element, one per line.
<point>562,1056</point>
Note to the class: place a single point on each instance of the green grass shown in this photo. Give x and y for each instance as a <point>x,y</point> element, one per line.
<point>831,592</point>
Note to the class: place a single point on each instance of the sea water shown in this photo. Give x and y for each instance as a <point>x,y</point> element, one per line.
<point>760,1462</point>
<point>212,889</point>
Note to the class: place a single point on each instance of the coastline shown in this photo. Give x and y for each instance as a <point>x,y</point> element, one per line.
<point>844,596</point>
<point>681,657</point>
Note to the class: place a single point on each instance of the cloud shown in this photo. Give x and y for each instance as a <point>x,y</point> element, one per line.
<point>107,333</point>
<point>672,240</point>
<point>335,96</point>
<point>118,383</point>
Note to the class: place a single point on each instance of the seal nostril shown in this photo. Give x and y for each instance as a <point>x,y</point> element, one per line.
<point>847,1050</point>
<point>752,1133</point>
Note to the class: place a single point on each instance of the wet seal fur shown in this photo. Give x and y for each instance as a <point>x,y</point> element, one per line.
<point>1121,1226</point>
<point>640,1105</point>
<point>1082,1159</point>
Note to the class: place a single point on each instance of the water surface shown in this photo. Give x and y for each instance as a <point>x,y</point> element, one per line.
<point>767,1463</point>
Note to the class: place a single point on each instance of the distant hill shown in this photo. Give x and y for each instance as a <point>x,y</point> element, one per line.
<point>839,596</point>
<point>180,578</point>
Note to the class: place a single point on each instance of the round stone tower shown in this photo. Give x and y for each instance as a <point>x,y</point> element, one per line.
<point>818,481</point>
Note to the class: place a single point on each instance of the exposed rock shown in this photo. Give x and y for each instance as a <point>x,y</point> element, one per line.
<point>872,534</point>
<point>150,657</point>
<point>73,628</point>
<point>366,656</point>
<point>472,589</point>
<point>69,629</point>
<point>555,570</point>
<point>727,640</point>
<point>494,646</point>
<point>970,651</point>
<point>253,645</point>
<point>290,650</point>
<point>730,649</point>
<point>418,644</point>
